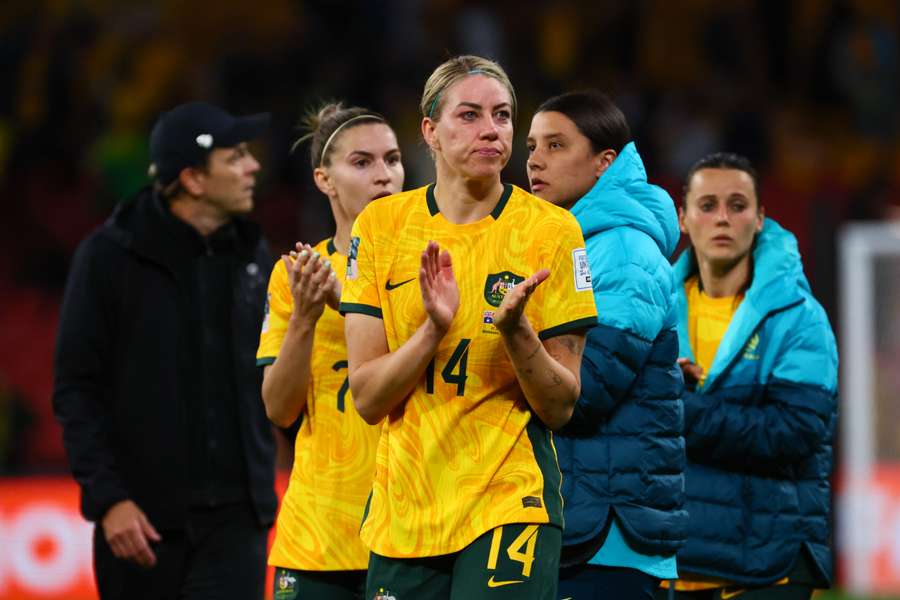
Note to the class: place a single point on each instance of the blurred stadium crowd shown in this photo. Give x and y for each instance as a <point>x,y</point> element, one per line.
<point>807,89</point>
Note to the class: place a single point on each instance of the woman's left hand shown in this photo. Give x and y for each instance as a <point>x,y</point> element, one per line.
<point>692,371</point>
<point>509,315</point>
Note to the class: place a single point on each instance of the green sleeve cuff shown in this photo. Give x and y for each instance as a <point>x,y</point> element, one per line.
<point>363,309</point>
<point>576,325</point>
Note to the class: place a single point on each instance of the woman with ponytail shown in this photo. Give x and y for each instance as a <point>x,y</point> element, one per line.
<point>760,365</point>
<point>317,551</point>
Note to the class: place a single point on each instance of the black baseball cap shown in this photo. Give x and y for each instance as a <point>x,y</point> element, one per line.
<point>185,135</point>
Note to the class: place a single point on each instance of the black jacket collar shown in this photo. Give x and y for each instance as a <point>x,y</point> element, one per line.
<point>143,224</point>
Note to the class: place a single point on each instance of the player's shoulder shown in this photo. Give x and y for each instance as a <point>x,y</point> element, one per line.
<point>325,247</point>
<point>526,207</point>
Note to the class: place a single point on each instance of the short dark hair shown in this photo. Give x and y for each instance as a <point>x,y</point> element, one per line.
<point>725,160</point>
<point>595,115</point>
<point>168,191</point>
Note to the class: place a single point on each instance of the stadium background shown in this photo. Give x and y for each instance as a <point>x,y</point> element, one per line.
<point>807,89</point>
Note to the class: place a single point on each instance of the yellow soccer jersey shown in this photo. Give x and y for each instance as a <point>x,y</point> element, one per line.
<point>708,320</point>
<point>334,455</point>
<point>464,453</point>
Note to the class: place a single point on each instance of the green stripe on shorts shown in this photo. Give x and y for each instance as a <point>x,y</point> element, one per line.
<point>545,456</point>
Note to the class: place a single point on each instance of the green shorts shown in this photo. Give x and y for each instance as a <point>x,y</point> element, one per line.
<point>290,584</point>
<point>509,562</point>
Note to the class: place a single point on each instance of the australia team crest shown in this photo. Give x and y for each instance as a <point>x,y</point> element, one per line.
<point>498,285</point>
<point>751,350</point>
<point>286,585</point>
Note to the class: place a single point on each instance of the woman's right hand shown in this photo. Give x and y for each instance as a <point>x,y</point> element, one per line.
<point>440,294</point>
<point>310,281</point>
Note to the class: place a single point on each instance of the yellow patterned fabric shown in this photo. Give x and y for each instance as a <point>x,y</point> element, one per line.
<point>708,320</point>
<point>464,453</point>
<point>334,454</point>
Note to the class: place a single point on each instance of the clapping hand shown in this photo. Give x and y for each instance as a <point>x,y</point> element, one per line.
<point>440,294</point>
<point>312,283</point>
<point>508,317</point>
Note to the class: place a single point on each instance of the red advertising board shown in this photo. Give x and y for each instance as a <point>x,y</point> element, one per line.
<point>45,544</point>
<point>869,531</point>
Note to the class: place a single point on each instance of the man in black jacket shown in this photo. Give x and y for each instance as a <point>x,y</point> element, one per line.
<point>156,385</point>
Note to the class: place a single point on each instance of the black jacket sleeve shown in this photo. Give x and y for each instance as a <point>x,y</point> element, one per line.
<point>82,380</point>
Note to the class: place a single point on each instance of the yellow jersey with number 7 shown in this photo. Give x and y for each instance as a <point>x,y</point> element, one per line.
<point>464,453</point>
<point>334,454</point>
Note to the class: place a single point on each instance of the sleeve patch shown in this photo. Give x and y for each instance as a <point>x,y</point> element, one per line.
<point>352,259</point>
<point>582,270</point>
<point>265,323</point>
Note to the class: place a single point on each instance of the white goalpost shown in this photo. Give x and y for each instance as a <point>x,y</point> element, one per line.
<point>867,511</point>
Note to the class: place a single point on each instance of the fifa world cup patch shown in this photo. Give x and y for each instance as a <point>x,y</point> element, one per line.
<point>498,285</point>
<point>582,269</point>
<point>384,594</point>
<point>265,323</point>
<point>352,255</point>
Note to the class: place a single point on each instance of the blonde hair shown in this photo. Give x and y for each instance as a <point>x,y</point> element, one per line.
<point>324,124</point>
<point>453,70</point>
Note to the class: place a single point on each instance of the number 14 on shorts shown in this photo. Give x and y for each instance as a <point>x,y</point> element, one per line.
<point>517,560</point>
<point>520,550</point>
